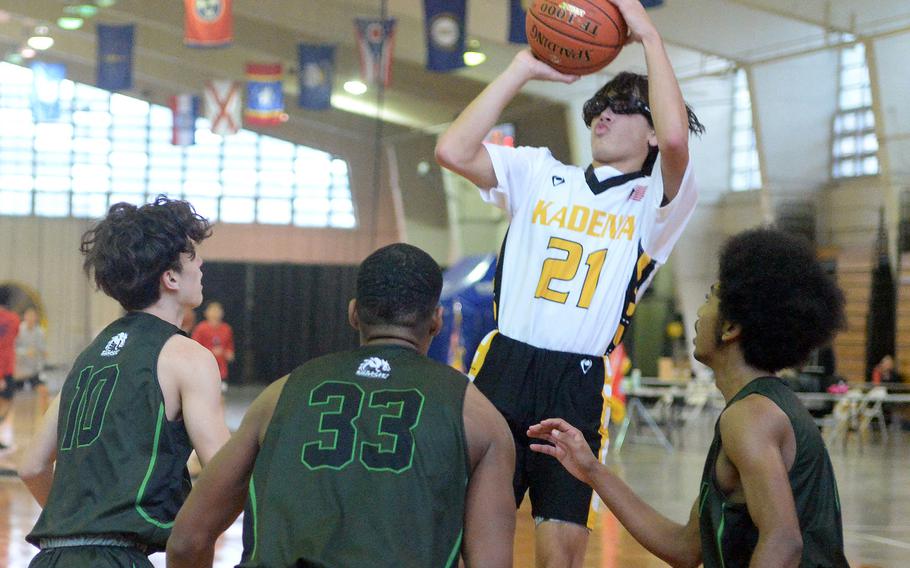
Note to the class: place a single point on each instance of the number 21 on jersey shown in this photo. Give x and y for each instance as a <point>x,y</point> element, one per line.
<point>566,269</point>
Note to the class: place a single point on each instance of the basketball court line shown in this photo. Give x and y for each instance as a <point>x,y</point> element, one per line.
<point>879,540</point>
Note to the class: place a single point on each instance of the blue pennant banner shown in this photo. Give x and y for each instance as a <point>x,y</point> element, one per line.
<point>115,57</point>
<point>315,74</point>
<point>517,15</point>
<point>445,33</point>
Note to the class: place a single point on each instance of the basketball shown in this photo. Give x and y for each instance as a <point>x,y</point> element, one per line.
<point>577,37</point>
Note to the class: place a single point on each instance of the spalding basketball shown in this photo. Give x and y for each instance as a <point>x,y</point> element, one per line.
<point>577,37</point>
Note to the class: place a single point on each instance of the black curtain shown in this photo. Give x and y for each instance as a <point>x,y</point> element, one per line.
<point>880,325</point>
<point>282,314</point>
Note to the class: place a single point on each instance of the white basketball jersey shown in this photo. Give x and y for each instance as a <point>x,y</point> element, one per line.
<point>574,263</point>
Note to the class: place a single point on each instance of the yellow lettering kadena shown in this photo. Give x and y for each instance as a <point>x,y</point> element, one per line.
<point>581,219</point>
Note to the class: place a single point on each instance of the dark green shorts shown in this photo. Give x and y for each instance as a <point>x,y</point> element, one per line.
<point>94,556</point>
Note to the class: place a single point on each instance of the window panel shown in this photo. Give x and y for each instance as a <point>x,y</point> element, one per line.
<point>870,165</point>
<point>15,202</point>
<point>89,205</point>
<point>276,211</point>
<point>52,183</point>
<point>311,219</point>
<point>202,187</point>
<point>125,106</point>
<point>128,186</point>
<point>274,183</point>
<point>52,204</point>
<point>205,206</point>
<point>16,182</point>
<point>115,143</point>
<point>134,198</point>
<point>344,221</point>
<point>237,210</point>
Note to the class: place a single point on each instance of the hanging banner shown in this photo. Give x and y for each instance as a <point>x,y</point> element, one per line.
<point>264,99</point>
<point>115,57</point>
<point>222,106</point>
<point>444,23</point>
<point>208,23</point>
<point>376,42</point>
<point>186,110</point>
<point>45,99</point>
<point>315,74</point>
<point>517,15</point>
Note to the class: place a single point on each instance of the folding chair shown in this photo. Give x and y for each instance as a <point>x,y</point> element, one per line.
<point>870,408</point>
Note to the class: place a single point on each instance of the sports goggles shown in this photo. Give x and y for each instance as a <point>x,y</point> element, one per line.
<point>598,103</point>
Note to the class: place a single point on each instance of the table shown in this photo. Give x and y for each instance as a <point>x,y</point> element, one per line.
<point>667,396</point>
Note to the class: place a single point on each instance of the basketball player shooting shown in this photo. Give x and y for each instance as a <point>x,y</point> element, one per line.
<point>582,246</point>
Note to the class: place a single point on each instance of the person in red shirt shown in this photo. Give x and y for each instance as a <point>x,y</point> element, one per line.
<point>216,336</point>
<point>9,329</point>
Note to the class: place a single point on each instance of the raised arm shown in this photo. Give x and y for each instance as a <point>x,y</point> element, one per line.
<point>219,494</point>
<point>754,431</point>
<point>189,371</point>
<point>460,148</point>
<point>489,525</point>
<point>678,545</point>
<point>36,466</point>
<point>668,109</point>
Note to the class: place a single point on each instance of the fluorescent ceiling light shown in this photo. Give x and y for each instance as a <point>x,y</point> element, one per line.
<point>40,42</point>
<point>81,10</point>
<point>474,58</point>
<point>355,87</point>
<point>70,22</point>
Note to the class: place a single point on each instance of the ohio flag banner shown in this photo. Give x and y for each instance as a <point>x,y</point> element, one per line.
<point>222,106</point>
<point>46,79</point>
<point>376,41</point>
<point>186,110</point>
<point>517,15</point>
<point>444,23</point>
<point>316,70</point>
<point>115,57</point>
<point>208,23</point>
<point>264,99</point>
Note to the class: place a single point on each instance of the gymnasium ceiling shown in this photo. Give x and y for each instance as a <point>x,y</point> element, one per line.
<point>704,37</point>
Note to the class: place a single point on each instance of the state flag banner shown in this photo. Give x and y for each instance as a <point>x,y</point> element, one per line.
<point>208,23</point>
<point>115,57</point>
<point>517,15</point>
<point>315,74</point>
<point>45,99</point>
<point>376,42</point>
<point>185,108</point>
<point>222,106</point>
<point>264,98</point>
<point>444,25</point>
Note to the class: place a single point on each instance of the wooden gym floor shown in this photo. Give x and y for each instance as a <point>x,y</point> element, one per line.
<point>874,485</point>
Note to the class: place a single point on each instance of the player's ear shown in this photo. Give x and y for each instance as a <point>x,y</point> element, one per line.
<point>168,281</point>
<point>436,322</point>
<point>352,314</point>
<point>730,332</point>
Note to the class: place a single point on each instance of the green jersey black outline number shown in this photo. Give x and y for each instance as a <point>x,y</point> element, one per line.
<point>399,414</point>
<point>400,424</point>
<point>338,420</point>
<point>85,417</point>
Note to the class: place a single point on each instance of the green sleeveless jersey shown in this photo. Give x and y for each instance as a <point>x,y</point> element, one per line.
<point>728,535</point>
<point>364,464</point>
<point>121,465</point>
